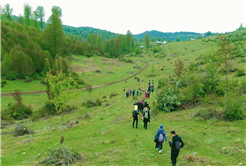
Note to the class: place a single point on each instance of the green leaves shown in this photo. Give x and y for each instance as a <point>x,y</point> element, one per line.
<point>58,86</point>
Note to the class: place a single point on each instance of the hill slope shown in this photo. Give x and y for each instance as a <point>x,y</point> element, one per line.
<point>171,36</point>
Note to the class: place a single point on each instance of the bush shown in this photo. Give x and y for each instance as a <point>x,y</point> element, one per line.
<point>75,75</point>
<point>90,103</point>
<point>240,72</point>
<point>57,156</point>
<point>80,82</point>
<point>3,83</point>
<point>234,110</point>
<point>49,109</point>
<point>113,94</point>
<point>21,130</point>
<point>17,112</point>
<point>168,99</point>
<point>209,113</point>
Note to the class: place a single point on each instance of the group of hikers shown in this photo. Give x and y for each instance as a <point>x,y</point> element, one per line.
<point>143,107</point>
<point>132,92</point>
<point>174,143</point>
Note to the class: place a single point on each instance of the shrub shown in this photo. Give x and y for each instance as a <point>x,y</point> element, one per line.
<point>90,103</point>
<point>240,72</point>
<point>21,130</point>
<point>210,113</point>
<point>75,75</point>
<point>234,110</point>
<point>56,155</point>
<point>3,83</point>
<point>168,99</point>
<point>80,82</point>
<point>113,94</point>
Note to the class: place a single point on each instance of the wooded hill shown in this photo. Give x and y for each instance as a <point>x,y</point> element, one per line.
<point>170,36</point>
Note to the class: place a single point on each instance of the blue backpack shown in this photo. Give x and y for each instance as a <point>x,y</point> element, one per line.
<point>161,138</point>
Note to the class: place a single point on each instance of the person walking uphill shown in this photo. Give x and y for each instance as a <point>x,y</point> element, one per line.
<point>135,115</point>
<point>159,138</point>
<point>175,145</point>
<point>146,116</point>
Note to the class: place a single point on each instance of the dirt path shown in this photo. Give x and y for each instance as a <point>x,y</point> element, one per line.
<point>94,87</point>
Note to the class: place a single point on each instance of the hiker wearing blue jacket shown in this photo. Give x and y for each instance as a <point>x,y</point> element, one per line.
<point>159,138</point>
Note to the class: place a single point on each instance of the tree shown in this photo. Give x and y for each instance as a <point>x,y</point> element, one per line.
<point>164,38</point>
<point>117,47</point>
<point>179,67</point>
<point>89,89</point>
<point>146,40</point>
<point>8,12</point>
<point>56,10</point>
<point>58,83</point>
<point>159,39</point>
<point>40,15</point>
<point>137,50</point>
<point>177,39</point>
<point>93,40</point>
<point>20,19</point>
<point>128,41</point>
<point>208,33</point>
<point>99,41</point>
<point>18,63</point>
<point>27,14</point>
<point>153,39</point>
<point>35,19</point>
<point>53,35</point>
<point>225,58</point>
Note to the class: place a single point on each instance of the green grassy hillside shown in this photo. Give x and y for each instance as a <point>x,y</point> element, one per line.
<point>104,135</point>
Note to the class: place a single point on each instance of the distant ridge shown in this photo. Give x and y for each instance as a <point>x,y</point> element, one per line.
<point>171,36</point>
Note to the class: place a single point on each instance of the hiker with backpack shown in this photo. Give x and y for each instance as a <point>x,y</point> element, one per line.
<point>146,115</point>
<point>135,115</point>
<point>159,138</point>
<point>175,145</point>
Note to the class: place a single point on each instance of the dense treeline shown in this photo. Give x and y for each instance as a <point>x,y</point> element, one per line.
<point>26,45</point>
<point>169,36</point>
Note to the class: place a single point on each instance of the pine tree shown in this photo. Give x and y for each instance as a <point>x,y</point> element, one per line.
<point>54,35</point>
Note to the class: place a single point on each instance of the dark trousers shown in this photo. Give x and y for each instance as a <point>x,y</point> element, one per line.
<point>145,123</point>
<point>174,155</point>
<point>135,119</point>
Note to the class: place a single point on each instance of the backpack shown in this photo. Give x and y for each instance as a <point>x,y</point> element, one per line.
<point>135,113</point>
<point>161,138</point>
<point>146,116</point>
<point>177,145</point>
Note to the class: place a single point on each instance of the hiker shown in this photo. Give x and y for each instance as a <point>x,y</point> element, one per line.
<point>142,80</point>
<point>159,138</point>
<point>133,92</point>
<point>125,81</point>
<point>124,89</point>
<point>137,92</point>
<point>149,83</point>
<point>135,115</point>
<point>153,82</point>
<point>146,94</point>
<point>127,94</point>
<point>146,116</point>
<point>175,145</point>
<point>140,92</point>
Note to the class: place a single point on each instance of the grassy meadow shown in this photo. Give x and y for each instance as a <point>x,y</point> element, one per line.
<point>106,136</point>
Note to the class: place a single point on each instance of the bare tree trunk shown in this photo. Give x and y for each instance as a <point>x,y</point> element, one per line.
<point>226,86</point>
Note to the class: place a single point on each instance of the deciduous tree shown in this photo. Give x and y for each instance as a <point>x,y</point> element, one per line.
<point>8,12</point>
